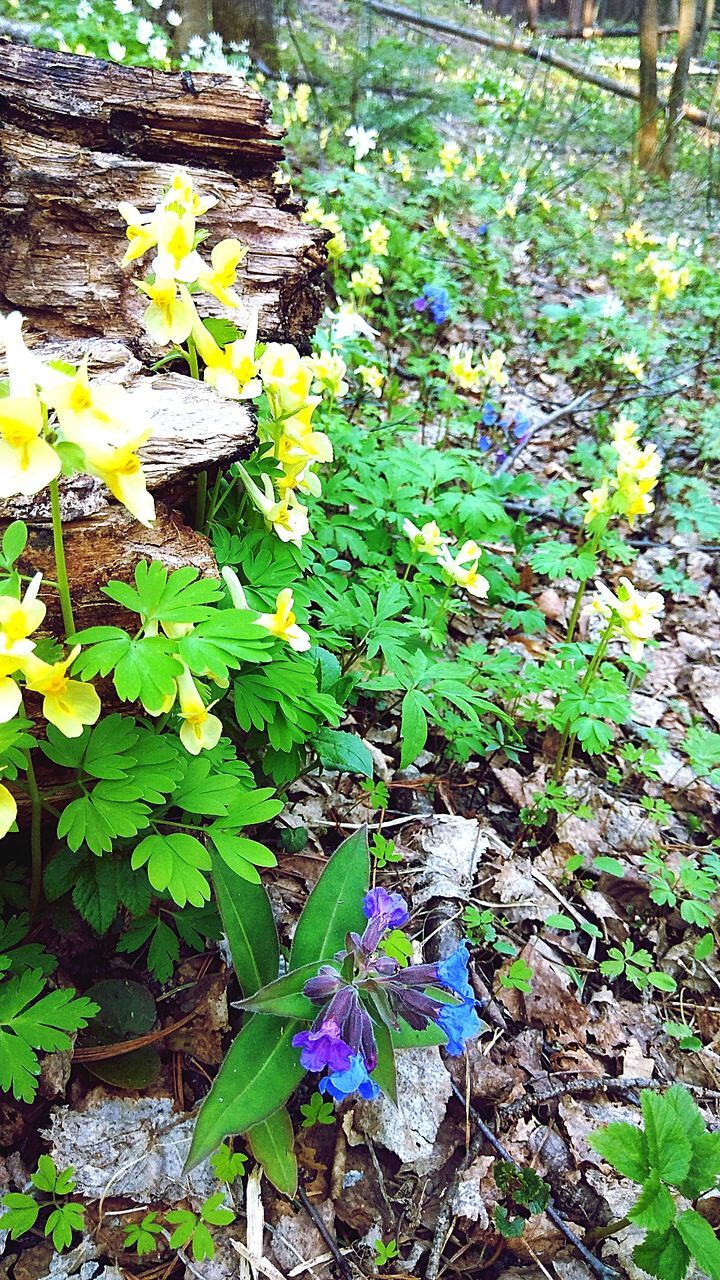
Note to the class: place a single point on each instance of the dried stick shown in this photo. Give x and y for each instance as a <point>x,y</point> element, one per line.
<point>327,1236</point>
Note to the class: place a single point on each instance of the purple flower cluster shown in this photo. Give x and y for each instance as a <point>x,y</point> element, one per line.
<point>435,301</point>
<point>341,1041</point>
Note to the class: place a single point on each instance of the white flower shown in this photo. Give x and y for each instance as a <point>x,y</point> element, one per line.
<point>144,30</point>
<point>116,51</point>
<point>155,4</point>
<point>157,48</point>
<point>361,140</point>
<point>350,324</point>
<point>196,46</point>
<point>83,10</point>
<point>173,18</point>
<point>124,7</point>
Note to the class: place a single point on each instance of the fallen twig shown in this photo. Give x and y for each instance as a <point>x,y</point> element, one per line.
<point>327,1236</point>
<point>562,412</point>
<point>573,1089</point>
<point>600,1269</point>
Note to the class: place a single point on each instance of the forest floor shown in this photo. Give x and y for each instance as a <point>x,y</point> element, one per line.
<point>589,896</point>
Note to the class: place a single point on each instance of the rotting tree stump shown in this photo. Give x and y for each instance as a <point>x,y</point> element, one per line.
<point>77,136</point>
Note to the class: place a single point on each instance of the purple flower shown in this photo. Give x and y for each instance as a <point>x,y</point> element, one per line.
<point>500,456</point>
<point>353,1079</point>
<point>483,228</point>
<point>322,1047</point>
<point>420,304</point>
<point>453,973</point>
<point>325,985</point>
<point>391,906</point>
<point>460,1023</point>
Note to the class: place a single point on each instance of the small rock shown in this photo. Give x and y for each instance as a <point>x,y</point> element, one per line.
<point>410,1129</point>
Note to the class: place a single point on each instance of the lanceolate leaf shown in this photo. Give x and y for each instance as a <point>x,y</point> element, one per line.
<point>257,1077</point>
<point>249,926</point>
<point>414,726</point>
<point>284,997</point>
<point>334,907</point>
<point>272,1144</point>
<point>384,1073</point>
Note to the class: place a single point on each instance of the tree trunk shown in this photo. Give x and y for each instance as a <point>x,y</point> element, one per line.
<point>705,15</point>
<point>251,20</point>
<point>196,21</point>
<point>686,31</point>
<point>78,136</point>
<point>575,16</point>
<point>647,133</point>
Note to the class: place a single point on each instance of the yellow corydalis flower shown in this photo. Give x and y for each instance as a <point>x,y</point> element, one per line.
<point>27,461</point>
<point>8,810</point>
<point>429,540</point>
<point>635,614</point>
<point>219,280</point>
<point>283,623</point>
<point>19,618</point>
<point>231,370</point>
<point>492,368</point>
<point>462,569</point>
<point>200,730</point>
<point>372,378</point>
<point>168,318</point>
<point>367,280</point>
<point>630,360</point>
<point>330,370</point>
<point>68,704</point>
<point>377,235</point>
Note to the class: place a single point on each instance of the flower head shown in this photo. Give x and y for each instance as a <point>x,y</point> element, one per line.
<point>362,140</point>
<point>462,569</point>
<point>200,730</point>
<point>428,539</point>
<point>219,280</point>
<point>367,280</point>
<point>635,615</point>
<point>323,1047</point>
<point>283,625</point>
<point>356,1079</point>
<point>68,704</point>
<point>372,378</point>
<point>376,235</point>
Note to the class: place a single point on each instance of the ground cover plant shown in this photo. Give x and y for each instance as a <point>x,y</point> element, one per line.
<point>410,813</point>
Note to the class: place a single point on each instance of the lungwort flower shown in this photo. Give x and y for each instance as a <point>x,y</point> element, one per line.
<point>364,987</point>
<point>636,616</point>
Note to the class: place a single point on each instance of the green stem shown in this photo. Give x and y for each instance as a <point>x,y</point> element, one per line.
<point>580,593</point>
<point>63,585</point>
<point>563,760</point>
<point>443,603</point>
<point>35,835</point>
<point>193,360</point>
<point>602,1233</point>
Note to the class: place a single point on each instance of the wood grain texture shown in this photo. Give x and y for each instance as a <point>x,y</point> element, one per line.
<point>79,135</point>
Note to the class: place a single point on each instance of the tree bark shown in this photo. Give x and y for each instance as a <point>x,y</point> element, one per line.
<point>250,20</point>
<point>706,15</point>
<point>686,30</point>
<point>647,133</point>
<point>196,21</point>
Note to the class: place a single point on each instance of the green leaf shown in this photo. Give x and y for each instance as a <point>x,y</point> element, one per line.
<point>126,1010</point>
<point>257,1077</point>
<point>625,1148</point>
<point>413,727</point>
<point>14,541</point>
<point>62,1222</point>
<point>241,854</point>
<point>283,997</point>
<point>655,1208</point>
<point>21,1213</point>
<point>385,1073</point>
<point>663,1255</point>
<point>28,1023</point>
<point>407,1038</point>
<point>272,1143</point>
<point>334,907</point>
<point>175,862</point>
<point>344,751</point>
<point>249,927</point>
<point>669,1151</point>
<point>701,1240</point>
<point>704,1167</point>
<point>215,1211</point>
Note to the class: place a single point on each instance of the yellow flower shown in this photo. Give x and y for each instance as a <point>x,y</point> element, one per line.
<point>543,202</point>
<point>387,157</point>
<point>168,318</point>
<point>302,101</point>
<point>428,539</point>
<point>288,517</point>
<point>68,704</point>
<point>377,236</point>
<point>492,368</point>
<point>141,231</point>
<point>441,225</point>
<point>635,235</point>
<point>177,258</point>
<point>282,93</point>
<point>372,378</point>
<point>19,618</point>
<point>631,361</point>
<point>405,168</point>
<point>231,370</point>
<point>337,245</point>
<point>8,810</point>
<point>598,501</point>
<point>367,280</point>
<point>225,258</point>
<point>509,210</point>
<point>462,569</point>
<point>450,157</point>
<point>635,614</point>
<point>182,196</point>
<point>85,406</point>
<point>313,212</point>
<point>282,623</point>
<point>120,468</point>
<point>200,731</point>
<point>330,370</point>
<point>27,462</point>
<point>13,656</point>
<point>461,367</point>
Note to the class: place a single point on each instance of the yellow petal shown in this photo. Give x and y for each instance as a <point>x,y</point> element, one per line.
<point>8,810</point>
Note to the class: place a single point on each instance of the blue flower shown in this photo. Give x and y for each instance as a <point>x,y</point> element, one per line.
<point>521,427</point>
<point>390,907</point>
<point>489,414</point>
<point>460,1023</point>
<point>341,1084</point>
<point>435,300</point>
<point>453,973</point>
<point>323,1047</point>
<point>484,444</point>
<point>483,228</point>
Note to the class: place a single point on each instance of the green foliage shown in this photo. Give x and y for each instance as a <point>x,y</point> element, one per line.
<point>31,1021</point>
<point>191,1230</point>
<point>62,1218</point>
<point>524,1193</point>
<point>673,1154</point>
<point>318,1110</point>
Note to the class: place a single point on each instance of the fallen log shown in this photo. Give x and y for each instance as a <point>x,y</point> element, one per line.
<point>693,115</point>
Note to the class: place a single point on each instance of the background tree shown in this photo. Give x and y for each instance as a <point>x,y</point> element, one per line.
<point>686,31</point>
<point>647,134</point>
<point>251,20</point>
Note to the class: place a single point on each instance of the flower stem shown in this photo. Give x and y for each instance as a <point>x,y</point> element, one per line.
<point>63,585</point>
<point>35,835</point>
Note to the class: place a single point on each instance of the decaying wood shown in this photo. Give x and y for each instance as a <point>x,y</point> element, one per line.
<point>79,135</point>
